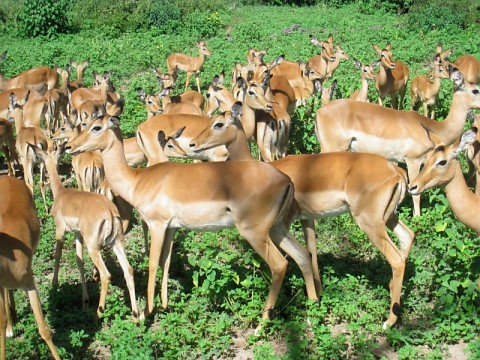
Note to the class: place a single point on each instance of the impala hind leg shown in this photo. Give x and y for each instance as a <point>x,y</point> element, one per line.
<point>165,261</point>
<point>309,233</point>
<point>105,276</point>
<point>81,269</point>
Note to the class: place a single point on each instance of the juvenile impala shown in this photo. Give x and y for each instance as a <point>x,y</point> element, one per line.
<point>19,236</point>
<point>400,136</point>
<point>320,63</point>
<point>443,168</point>
<point>39,79</point>
<point>426,91</point>
<point>97,225</point>
<point>366,185</point>
<point>205,197</point>
<point>368,75</point>
<point>190,64</point>
<point>392,78</point>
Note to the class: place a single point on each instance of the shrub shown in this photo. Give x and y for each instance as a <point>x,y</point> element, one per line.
<point>437,15</point>
<point>43,17</point>
<point>164,15</point>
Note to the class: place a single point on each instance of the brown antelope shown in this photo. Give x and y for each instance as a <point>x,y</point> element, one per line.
<point>366,71</point>
<point>191,96</point>
<point>7,145</point>
<point>317,63</point>
<point>218,96</point>
<point>27,134</point>
<point>183,107</point>
<point>320,63</point>
<point>425,91</point>
<point>147,136</point>
<point>366,185</point>
<point>190,64</point>
<point>328,92</point>
<point>473,154</point>
<point>34,109</point>
<point>397,135</point>
<point>152,103</point>
<point>304,80</point>
<point>88,169</point>
<point>57,101</point>
<point>468,64</point>
<point>177,195</point>
<point>96,224</point>
<point>39,79</point>
<point>443,168</point>
<point>19,237</point>
<point>80,68</point>
<point>392,78</point>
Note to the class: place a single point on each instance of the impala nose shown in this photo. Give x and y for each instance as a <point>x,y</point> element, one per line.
<point>413,189</point>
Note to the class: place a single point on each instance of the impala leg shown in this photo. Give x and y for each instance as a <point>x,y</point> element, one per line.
<point>263,142</point>
<point>105,276</point>
<point>376,232</point>
<point>43,186</point>
<point>119,251</point>
<point>394,101</point>
<point>309,233</point>
<point>187,82</point>
<point>9,311</point>
<point>81,269</point>
<point>145,236</point>
<point>197,78</point>
<point>425,110</point>
<point>166,258</point>
<point>299,254</point>
<point>3,324</point>
<point>60,230</point>
<point>477,182</point>
<point>38,313</point>
<point>404,234</point>
<point>157,235</point>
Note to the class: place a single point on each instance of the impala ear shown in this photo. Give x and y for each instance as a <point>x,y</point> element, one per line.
<point>467,138</point>
<point>141,94</point>
<point>113,122</point>
<point>456,76</point>
<point>178,133</point>
<point>162,139</point>
<point>241,83</point>
<point>330,38</point>
<point>377,49</point>
<point>388,46</point>
<point>237,110</point>
<point>358,64</point>
<point>376,63</point>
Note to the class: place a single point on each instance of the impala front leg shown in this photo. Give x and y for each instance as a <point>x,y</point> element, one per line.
<point>165,264</point>
<point>81,269</point>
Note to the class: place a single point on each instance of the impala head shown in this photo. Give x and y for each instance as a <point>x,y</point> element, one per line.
<point>254,98</point>
<point>165,80</point>
<point>256,56</point>
<point>442,55</point>
<point>385,56</point>
<point>218,95</point>
<point>170,145</point>
<point>202,45</point>
<point>340,53</point>
<point>327,52</point>
<point>470,92</point>
<point>221,131</point>
<point>328,92</point>
<point>366,70</point>
<point>98,135</point>
<point>66,131</point>
<point>151,102</point>
<point>439,166</point>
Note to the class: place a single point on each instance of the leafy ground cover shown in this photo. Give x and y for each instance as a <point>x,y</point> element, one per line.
<point>217,283</point>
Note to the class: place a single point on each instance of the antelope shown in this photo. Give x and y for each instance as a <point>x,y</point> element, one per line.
<point>327,56</point>
<point>147,136</point>
<point>316,62</point>
<point>39,79</point>
<point>190,64</point>
<point>473,154</point>
<point>367,74</point>
<point>170,107</point>
<point>178,195</point>
<point>425,91</point>
<point>28,133</point>
<point>397,135</point>
<point>328,92</point>
<point>331,184</point>
<point>80,68</point>
<point>96,224</point>
<point>167,82</point>
<point>57,101</point>
<point>88,169</point>
<point>392,78</point>
<point>7,144</point>
<point>34,109</point>
<point>443,168</point>
<point>218,96</point>
<point>19,237</point>
<point>152,103</point>
<point>468,64</point>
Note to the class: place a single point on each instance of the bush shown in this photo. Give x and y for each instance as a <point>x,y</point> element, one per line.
<point>43,17</point>
<point>437,15</point>
<point>164,15</point>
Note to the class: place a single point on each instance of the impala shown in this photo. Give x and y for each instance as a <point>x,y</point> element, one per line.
<point>328,92</point>
<point>190,64</point>
<point>170,107</point>
<point>206,197</point>
<point>147,136</point>
<point>473,154</point>
<point>468,65</point>
<point>57,101</point>
<point>34,109</point>
<point>366,185</point>
<point>96,224</point>
<point>368,75</point>
<point>192,96</point>
<point>321,62</point>
<point>80,68</point>
<point>19,236</point>
<point>443,168</point>
<point>425,91</point>
<point>39,79</point>
<point>7,145</point>
<point>218,96</point>
<point>392,78</point>
<point>327,68</point>
<point>152,103</point>
<point>28,133</point>
<point>400,136</point>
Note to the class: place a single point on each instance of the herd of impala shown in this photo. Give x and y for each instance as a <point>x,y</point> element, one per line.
<point>260,198</point>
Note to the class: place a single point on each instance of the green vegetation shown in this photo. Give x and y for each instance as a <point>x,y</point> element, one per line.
<point>217,284</point>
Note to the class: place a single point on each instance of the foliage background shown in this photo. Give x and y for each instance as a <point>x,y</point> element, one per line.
<point>218,284</point>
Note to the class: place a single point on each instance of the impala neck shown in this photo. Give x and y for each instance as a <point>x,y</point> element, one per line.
<point>239,149</point>
<point>248,120</point>
<point>200,59</point>
<point>55,181</point>
<point>451,128</point>
<point>435,85</point>
<point>363,92</point>
<point>122,178</point>
<point>464,203</point>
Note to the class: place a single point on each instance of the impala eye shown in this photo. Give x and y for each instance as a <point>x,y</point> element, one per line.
<point>251,93</point>
<point>96,129</point>
<point>442,163</point>
<point>475,91</point>
<point>218,125</point>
